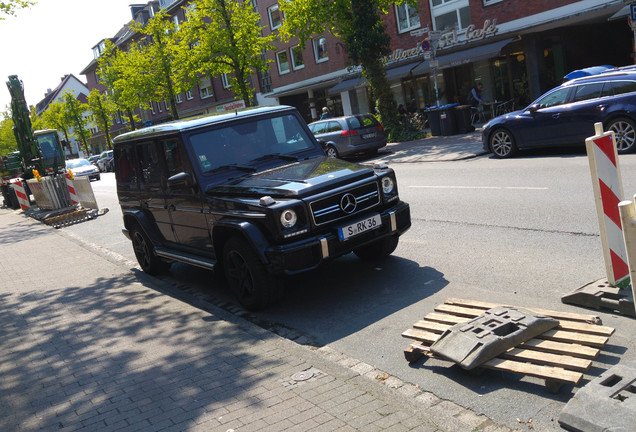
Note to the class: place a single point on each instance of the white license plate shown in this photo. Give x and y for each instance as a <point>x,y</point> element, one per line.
<point>368,224</point>
<point>370,135</point>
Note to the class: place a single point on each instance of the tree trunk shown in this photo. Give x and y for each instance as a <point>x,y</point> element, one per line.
<point>385,103</point>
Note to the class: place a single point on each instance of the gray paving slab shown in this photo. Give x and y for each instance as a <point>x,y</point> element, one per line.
<point>89,343</point>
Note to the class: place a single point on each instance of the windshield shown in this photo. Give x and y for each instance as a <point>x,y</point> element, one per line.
<point>77,163</point>
<point>251,141</point>
<point>48,145</point>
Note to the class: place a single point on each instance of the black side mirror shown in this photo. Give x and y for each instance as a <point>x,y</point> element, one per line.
<point>534,108</point>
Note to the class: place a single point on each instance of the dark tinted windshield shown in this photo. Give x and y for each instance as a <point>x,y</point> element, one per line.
<point>241,143</point>
<point>48,145</point>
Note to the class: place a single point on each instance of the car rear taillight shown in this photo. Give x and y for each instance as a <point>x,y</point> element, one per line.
<point>349,133</point>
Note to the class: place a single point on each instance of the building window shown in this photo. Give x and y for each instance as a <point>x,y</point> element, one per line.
<point>297,57</point>
<point>489,2</point>
<point>165,103</point>
<point>205,88</point>
<point>189,95</point>
<point>275,17</point>
<point>407,18</point>
<point>320,49</point>
<point>450,14</point>
<point>175,20</point>
<point>118,117</point>
<point>152,107</point>
<point>159,106</point>
<point>225,80</point>
<point>178,98</point>
<point>283,62</point>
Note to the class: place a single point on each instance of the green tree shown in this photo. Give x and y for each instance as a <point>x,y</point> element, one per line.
<point>359,25</point>
<point>7,138</point>
<point>36,120</point>
<point>74,109</point>
<point>55,117</point>
<point>103,109</point>
<point>223,37</point>
<point>117,74</point>
<point>9,7</point>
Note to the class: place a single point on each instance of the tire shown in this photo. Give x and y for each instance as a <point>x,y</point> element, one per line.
<point>502,144</point>
<point>378,250</point>
<point>143,248</point>
<point>331,151</point>
<point>625,132</point>
<point>247,276</point>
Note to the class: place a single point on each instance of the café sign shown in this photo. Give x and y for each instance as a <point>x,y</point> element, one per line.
<point>448,40</point>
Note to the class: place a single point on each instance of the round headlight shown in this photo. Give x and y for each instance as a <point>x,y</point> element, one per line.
<point>387,185</point>
<point>288,218</point>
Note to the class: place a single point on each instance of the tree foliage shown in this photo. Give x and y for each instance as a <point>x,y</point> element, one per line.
<point>10,7</point>
<point>7,138</point>
<point>74,110</point>
<point>103,110</point>
<point>223,37</point>
<point>55,117</point>
<point>359,25</point>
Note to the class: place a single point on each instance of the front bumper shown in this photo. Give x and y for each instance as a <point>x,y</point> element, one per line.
<point>308,254</point>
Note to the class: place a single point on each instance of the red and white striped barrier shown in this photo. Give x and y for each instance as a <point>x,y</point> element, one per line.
<point>20,193</point>
<point>608,193</point>
<point>71,189</point>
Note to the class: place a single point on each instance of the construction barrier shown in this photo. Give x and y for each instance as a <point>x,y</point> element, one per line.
<point>628,219</point>
<point>84,192</point>
<point>608,193</point>
<point>50,193</point>
<point>20,192</point>
<point>71,189</point>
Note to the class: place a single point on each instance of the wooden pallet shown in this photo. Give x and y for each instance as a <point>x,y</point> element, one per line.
<point>559,356</point>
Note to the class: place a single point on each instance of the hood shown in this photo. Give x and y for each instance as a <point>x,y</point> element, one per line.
<point>84,169</point>
<point>296,180</point>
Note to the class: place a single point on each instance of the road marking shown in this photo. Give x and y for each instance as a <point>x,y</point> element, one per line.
<point>482,187</point>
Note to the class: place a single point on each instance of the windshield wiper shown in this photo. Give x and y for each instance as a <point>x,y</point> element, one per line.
<point>244,168</point>
<point>276,156</point>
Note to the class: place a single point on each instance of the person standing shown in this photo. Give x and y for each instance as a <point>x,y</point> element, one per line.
<point>474,97</point>
<point>325,113</point>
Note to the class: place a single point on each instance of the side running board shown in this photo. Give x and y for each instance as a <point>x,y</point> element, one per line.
<point>206,263</point>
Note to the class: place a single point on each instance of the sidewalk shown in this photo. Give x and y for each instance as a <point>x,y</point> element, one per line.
<point>87,344</point>
<point>434,149</point>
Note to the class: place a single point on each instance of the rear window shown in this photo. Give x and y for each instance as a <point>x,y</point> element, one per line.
<point>362,121</point>
<point>621,87</point>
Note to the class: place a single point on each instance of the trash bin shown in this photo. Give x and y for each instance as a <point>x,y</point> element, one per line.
<point>447,121</point>
<point>462,119</point>
<point>433,120</point>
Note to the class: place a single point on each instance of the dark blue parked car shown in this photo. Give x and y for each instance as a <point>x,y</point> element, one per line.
<point>566,115</point>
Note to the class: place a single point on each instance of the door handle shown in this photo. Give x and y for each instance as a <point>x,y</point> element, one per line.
<point>601,107</point>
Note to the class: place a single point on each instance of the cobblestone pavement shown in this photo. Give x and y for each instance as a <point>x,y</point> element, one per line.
<point>89,344</point>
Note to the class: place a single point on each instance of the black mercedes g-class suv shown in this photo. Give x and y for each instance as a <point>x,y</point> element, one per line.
<point>252,193</point>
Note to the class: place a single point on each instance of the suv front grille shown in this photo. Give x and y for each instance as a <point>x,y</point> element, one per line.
<point>329,209</point>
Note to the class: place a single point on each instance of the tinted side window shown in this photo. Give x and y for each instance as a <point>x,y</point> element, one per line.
<point>174,160</point>
<point>354,123</point>
<point>621,87</point>
<point>125,169</point>
<point>557,97</point>
<point>334,127</point>
<point>149,165</point>
<point>587,91</point>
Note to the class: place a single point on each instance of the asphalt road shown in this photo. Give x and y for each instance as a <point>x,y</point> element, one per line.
<point>520,231</point>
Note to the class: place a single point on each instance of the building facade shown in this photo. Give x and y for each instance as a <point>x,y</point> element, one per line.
<point>518,49</point>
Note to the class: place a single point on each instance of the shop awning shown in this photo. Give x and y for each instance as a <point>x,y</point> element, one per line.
<point>352,83</point>
<point>470,55</point>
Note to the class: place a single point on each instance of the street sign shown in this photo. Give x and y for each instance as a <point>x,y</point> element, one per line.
<point>419,32</point>
<point>632,11</point>
<point>434,35</point>
<point>434,63</point>
<point>427,55</point>
<point>426,45</point>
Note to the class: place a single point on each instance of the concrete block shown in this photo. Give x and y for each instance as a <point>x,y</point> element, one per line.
<point>607,403</point>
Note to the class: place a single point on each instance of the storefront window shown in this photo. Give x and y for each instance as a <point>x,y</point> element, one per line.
<point>510,79</point>
<point>407,18</point>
